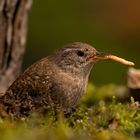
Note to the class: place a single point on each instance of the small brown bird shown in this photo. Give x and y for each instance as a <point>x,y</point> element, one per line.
<point>57,81</point>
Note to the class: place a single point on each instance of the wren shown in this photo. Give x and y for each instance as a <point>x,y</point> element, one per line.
<point>57,81</point>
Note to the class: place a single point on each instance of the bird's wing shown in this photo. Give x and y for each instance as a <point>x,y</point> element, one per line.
<point>30,91</point>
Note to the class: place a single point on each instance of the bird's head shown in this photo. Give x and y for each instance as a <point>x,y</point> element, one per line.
<point>76,57</point>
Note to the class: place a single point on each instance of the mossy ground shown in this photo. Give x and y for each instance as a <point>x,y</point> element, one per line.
<point>101,115</point>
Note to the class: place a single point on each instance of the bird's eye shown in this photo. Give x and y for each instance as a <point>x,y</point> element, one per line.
<point>80,53</point>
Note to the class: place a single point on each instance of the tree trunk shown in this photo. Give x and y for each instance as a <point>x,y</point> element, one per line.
<point>13,27</point>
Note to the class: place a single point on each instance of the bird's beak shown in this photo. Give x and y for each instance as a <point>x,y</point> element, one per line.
<point>98,56</point>
<point>101,56</point>
<point>105,56</point>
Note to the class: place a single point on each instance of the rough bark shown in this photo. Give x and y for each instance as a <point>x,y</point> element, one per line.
<point>13,27</point>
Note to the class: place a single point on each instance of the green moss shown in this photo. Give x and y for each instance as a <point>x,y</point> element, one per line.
<point>100,115</point>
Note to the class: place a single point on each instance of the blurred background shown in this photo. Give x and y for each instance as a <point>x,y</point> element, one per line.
<point>110,26</point>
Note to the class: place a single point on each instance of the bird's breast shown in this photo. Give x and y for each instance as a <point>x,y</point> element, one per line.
<point>71,88</point>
